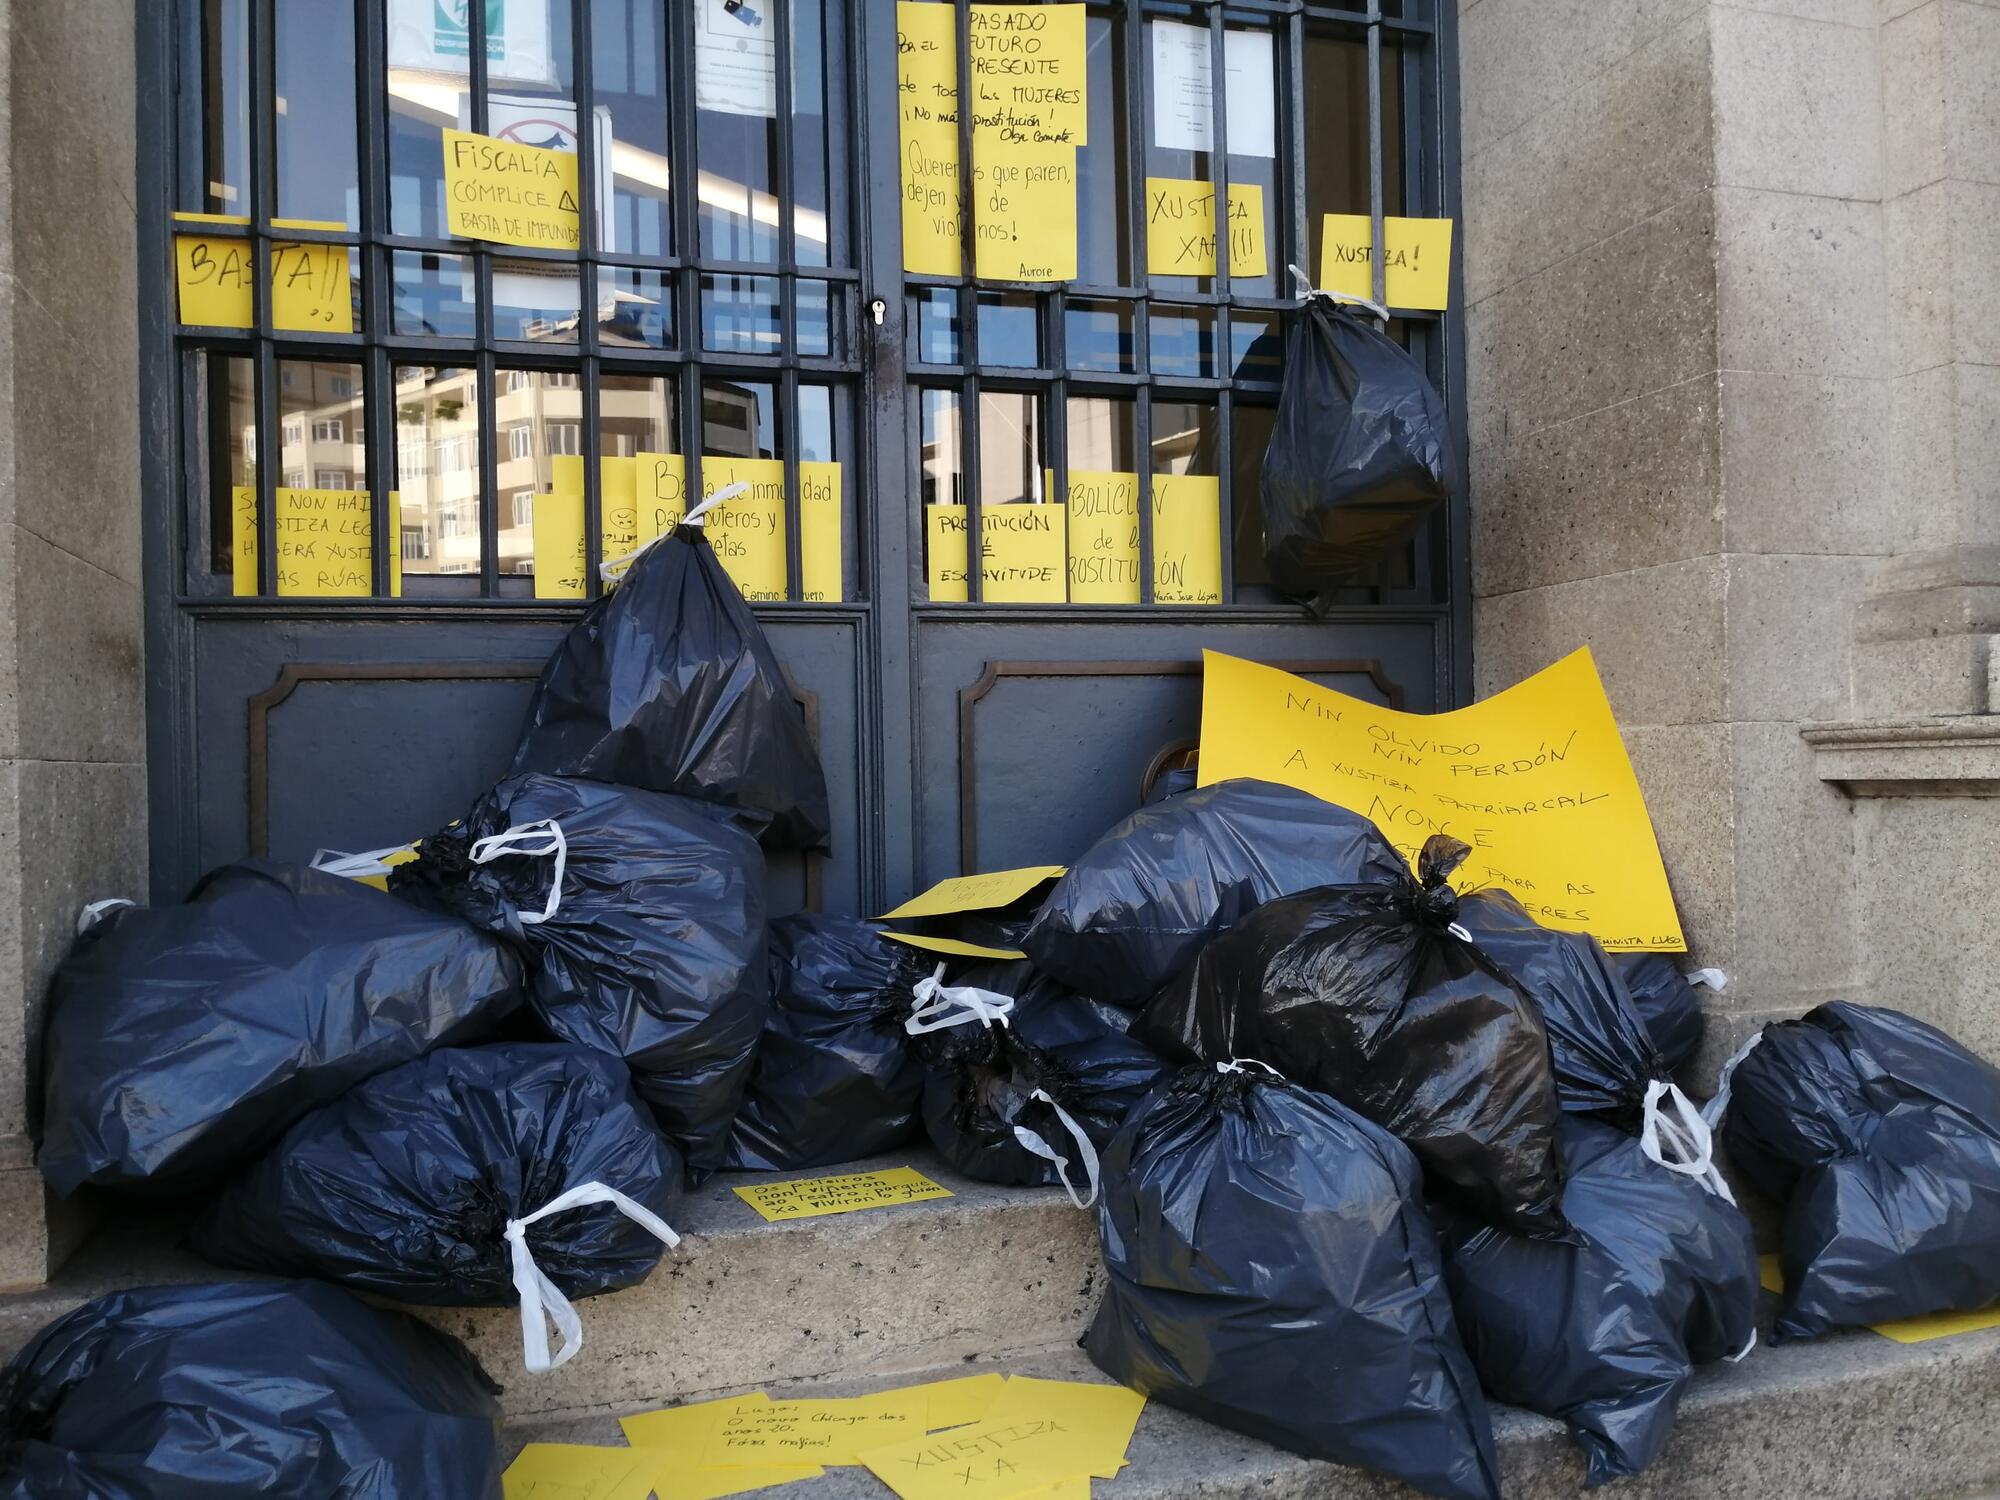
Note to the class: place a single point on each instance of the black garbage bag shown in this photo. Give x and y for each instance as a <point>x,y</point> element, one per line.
<point>835,1078</point>
<point>258,1390</point>
<point>1137,907</point>
<point>1881,1136</point>
<point>406,1186</point>
<point>1604,1333</point>
<point>669,684</point>
<point>182,1040</point>
<point>1361,453</point>
<point>1365,992</point>
<point>1668,1001</point>
<point>651,946</point>
<point>1025,1082</point>
<point>1605,1060</point>
<point>1270,1268</point>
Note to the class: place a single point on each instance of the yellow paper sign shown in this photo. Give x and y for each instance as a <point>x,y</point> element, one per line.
<point>311,287</point>
<point>1102,1417</point>
<point>1535,779</point>
<point>1023,559</point>
<point>682,1432</point>
<point>558,542</point>
<point>1030,74</point>
<point>1187,539</point>
<point>1180,228</point>
<point>1103,537</point>
<point>820,533</point>
<point>509,194</point>
<point>953,946</point>
<point>1771,1276</point>
<point>575,1471</point>
<point>1419,269</point>
<point>975,892</point>
<point>747,532</point>
<point>812,1197</point>
<point>997,1459</point>
<point>325,543</point>
<point>821,1432</point>
<point>1024,214</point>
<point>927,91</point>
<point>953,1403</point>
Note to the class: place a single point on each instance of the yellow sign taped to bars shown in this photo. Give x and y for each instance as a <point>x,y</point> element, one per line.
<point>1187,539</point>
<point>1023,556</point>
<point>1535,779</point>
<point>312,290</point>
<point>747,532</point>
<point>851,1192</point>
<point>1419,269</point>
<point>325,543</point>
<point>1180,228</point>
<point>558,522</point>
<point>510,194</point>
<point>1103,536</point>
<point>1030,73</point>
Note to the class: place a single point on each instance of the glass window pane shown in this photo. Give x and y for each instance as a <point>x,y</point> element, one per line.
<point>433,295</point>
<point>1007,330</point>
<point>224,103</point>
<point>538,426</point>
<point>1336,131</point>
<point>941,462</point>
<point>739,419</point>
<point>232,457</point>
<point>1250,435</point>
<point>1103,435</point>
<point>428,94</point>
<point>934,319</point>
<point>1010,448</point>
<point>1103,248</point>
<point>1256,346</point>
<point>635,309</point>
<point>437,468</point>
<point>822,329</point>
<point>819,116</point>
<point>1183,342</point>
<point>627,78</point>
<point>1099,335</point>
<point>741,314</point>
<point>736,93</point>
<point>316,130</point>
<point>323,539</point>
<point>534,303</point>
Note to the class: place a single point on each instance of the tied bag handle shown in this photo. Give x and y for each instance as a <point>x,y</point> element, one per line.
<point>938,1006</point>
<point>1034,1144</point>
<point>542,1301</point>
<point>1305,291</point>
<point>614,569</point>
<point>537,840</point>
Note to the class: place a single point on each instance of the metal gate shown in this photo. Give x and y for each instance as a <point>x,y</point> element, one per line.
<point>739,300</point>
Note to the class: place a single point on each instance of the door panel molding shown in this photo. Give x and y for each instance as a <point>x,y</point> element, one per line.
<point>970,695</point>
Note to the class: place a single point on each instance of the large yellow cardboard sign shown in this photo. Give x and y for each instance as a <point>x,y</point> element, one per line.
<point>509,194</point>
<point>1418,273</point>
<point>1535,779</point>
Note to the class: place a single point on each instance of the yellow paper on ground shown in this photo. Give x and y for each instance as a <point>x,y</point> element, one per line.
<point>1902,1330</point>
<point>1103,1416</point>
<point>1024,558</point>
<point>821,1432</point>
<point>1187,539</point>
<point>575,1471</point>
<point>510,194</point>
<point>953,946</point>
<point>311,285</point>
<point>1419,260</point>
<point>1024,210</point>
<point>851,1192</point>
<point>1103,537</point>
<point>325,543</point>
<point>975,892</point>
<point>953,1403</point>
<point>681,1429</point>
<point>998,1459</point>
<point>1535,779</point>
<point>1180,228</point>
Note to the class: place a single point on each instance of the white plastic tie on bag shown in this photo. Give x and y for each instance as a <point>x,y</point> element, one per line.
<point>97,911</point>
<point>1459,932</point>
<point>699,515</point>
<point>356,866</point>
<point>939,1006</point>
<point>1087,1152</point>
<point>1305,291</point>
<point>1713,979</point>
<point>1244,1065</point>
<point>613,570</point>
<point>537,840</point>
<point>542,1302</point>
<point>1744,1353</point>
<point>1676,1136</point>
<point>1713,1111</point>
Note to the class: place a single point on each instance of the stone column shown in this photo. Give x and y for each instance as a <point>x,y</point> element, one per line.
<point>72,712</point>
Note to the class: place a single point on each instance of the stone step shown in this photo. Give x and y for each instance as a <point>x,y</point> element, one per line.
<point>741,1302</point>
<point>1851,1417</point>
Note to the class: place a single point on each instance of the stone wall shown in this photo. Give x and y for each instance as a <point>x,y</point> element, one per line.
<point>1718,281</point>
<point>72,711</point>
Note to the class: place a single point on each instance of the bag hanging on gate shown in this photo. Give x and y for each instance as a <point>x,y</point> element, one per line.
<point>668,683</point>
<point>183,1040</point>
<point>1361,453</point>
<point>643,918</point>
<point>474,1177</point>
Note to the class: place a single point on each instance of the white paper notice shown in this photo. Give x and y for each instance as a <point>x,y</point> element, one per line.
<point>1184,90</point>
<point>735,57</point>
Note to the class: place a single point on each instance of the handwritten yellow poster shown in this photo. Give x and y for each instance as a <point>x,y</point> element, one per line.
<point>1024,210</point>
<point>1004,1459</point>
<point>1187,539</point>
<point>927,91</point>
<point>1103,537</point>
<point>820,532</point>
<point>1535,779</point>
<point>1022,559</point>
<point>311,287</point>
<point>954,947</point>
<point>1180,228</point>
<point>747,532</point>
<point>1419,259</point>
<point>1030,74</point>
<point>975,892</point>
<point>813,1197</point>
<point>509,194</point>
<point>325,543</point>
<point>558,522</point>
<point>1102,1417</point>
<point>578,1471</point>
<point>558,543</point>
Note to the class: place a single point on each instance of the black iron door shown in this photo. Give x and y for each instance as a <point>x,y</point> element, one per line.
<point>381,490</point>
